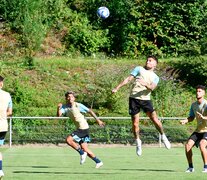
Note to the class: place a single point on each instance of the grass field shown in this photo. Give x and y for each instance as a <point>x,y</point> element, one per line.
<point>120,163</point>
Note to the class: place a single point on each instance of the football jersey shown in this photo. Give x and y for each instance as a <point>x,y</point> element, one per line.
<point>5,103</point>
<point>201,108</point>
<point>139,91</point>
<point>74,112</point>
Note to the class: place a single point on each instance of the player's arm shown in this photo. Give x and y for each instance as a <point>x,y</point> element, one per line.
<point>124,82</point>
<point>151,86</point>
<point>84,109</point>
<point>59,107</point>
<point>100,123</point>
<point>187,120</point>
<point>201,116</point>
<point>9,108</point>
<point>9,111</point>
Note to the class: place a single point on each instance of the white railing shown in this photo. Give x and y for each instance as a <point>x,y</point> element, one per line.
<point>102,118</point>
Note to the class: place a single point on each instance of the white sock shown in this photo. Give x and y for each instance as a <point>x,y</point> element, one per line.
<point>138,142</point>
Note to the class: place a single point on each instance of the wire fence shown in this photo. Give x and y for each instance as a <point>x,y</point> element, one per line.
<point>106,133</point>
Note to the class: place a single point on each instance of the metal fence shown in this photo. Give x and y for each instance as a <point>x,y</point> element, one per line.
<point>102,118</point>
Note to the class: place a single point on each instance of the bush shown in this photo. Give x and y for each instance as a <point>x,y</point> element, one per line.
<point>192,70</point>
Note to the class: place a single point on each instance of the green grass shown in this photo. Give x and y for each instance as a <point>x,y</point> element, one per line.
<point>62,163</point>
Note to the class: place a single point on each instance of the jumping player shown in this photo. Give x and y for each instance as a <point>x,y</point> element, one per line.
<point>79,138</point>
<point>144,82</point>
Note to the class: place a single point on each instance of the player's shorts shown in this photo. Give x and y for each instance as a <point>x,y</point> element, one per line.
<point>2,137</point>
<point>135,105</point>
<point>196,137</point>
<point>81,136</point>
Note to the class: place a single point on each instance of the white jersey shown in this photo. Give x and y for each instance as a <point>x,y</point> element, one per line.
<point>5,103</point>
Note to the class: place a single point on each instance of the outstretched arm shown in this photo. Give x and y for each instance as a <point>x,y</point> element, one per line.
<point>189,119</point>
<point>100,123</point>
<point>124,82</point>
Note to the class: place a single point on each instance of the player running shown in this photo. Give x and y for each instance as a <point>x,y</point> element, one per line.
<point>144,82</point>
<point>79,138</point>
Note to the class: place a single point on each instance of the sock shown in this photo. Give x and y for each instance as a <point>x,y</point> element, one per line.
<point>205,166</point>
<point>138,142</point>
<point>0,164</point>
<point>190,165</point>
<point>96,160</point>
<point>81,152</point>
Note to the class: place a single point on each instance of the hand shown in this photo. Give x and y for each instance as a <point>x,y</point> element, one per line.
<point>183,121</point>
<point>142,82</point>
<point>100,123</point>
<point>59,105</point>
<point>200,116</point>
<point>114,90</point>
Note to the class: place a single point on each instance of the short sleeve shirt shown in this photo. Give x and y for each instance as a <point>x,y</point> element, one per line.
<point>139,91</point>
<point>5,103</point>
<point>74,112</point>
<point>201,108</point>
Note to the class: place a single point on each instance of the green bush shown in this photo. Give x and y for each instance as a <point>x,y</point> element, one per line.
<point>192,70</point>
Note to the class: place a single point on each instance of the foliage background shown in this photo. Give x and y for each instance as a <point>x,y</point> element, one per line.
<point>134,27</point>
<point>50,46</point>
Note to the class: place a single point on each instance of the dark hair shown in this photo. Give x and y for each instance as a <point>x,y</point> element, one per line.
<point>153,57</point>
<point>69,92</point>
<point>201,87</point>
<point>1,78</point>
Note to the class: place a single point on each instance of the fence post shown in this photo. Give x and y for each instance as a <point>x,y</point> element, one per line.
<point>10,132</point>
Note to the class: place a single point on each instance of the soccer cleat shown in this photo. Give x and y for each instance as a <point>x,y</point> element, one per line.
<point>204,170</point>
<point>189,170</point>
<point>165,141</point>
<point>98,165</point>
<point>1,174</point>
<point>83,158</point>
<point>139,147</point>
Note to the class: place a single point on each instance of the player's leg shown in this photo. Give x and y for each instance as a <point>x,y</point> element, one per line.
<point>134,109</point>
<point>135,130</point>
<point>189,154</point>
<point>156,121</point>
<point>135,126</point>
<point>98,162</point>
<point>202,146</point>
<point>71,142</point>
<point>151,113</point>
<point>2,138</point>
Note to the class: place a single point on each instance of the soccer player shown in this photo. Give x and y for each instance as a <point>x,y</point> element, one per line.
<point>79,138</point>
<point>5,110</point>
<point>144,82</point>
<point>198,110</point>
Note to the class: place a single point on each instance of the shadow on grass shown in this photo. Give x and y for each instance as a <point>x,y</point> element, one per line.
<point>107,171</point>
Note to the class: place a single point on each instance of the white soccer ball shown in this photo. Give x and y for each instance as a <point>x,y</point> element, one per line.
<point>103,12</point>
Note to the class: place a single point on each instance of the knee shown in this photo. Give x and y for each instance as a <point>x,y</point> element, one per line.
<point>69,140</point>
<point>202,146</point>
<point>188,147</point>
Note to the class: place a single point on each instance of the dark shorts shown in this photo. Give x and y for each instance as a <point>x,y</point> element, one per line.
<point>135,105</point>
<point>2,137</point>
<point>81,135</point>
<point>196,137</point>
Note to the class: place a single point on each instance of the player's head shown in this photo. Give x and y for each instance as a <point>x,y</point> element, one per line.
<point>200,91</point>
<point>151,62</point>
<point>1,81</point>
<point>70,96</point>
